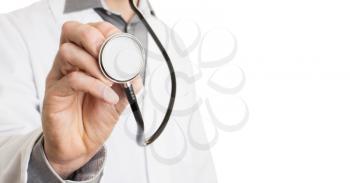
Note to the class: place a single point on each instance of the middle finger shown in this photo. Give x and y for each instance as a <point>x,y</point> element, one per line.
<point>73,55</point>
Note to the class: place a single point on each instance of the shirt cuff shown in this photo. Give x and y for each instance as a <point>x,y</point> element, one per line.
<point>40,170</point>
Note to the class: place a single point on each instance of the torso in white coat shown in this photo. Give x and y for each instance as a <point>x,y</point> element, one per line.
<point>28,43</point>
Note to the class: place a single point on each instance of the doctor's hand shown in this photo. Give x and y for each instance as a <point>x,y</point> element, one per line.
<point>81,107</point>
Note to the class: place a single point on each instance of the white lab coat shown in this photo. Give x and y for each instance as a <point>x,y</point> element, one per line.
<point>29,40</point>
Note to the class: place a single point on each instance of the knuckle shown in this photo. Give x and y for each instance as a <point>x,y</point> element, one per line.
<point>64,51</point>
<point>91,37</point>
<point>67,26</point>
<point>73,77</point>
<point>87,32</point>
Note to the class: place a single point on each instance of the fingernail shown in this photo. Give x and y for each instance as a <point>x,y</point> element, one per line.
<point>110,96</point>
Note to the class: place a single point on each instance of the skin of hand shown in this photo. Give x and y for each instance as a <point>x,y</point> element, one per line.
<point>81,107</point>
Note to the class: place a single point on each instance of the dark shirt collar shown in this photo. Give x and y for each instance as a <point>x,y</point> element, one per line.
<point>79,5</point>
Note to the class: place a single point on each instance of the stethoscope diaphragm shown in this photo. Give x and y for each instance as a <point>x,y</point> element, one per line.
<point>121,58</point>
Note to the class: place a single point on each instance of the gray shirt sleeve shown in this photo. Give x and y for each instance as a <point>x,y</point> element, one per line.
<point>40,171</point>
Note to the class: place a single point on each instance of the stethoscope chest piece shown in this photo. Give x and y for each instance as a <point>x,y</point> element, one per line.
<point>121,58</point>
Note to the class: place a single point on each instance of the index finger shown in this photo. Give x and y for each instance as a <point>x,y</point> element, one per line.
<point>83,35</point>
<point>106,28</point>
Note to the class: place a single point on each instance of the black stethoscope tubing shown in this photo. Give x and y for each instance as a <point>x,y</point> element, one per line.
<point>140,138</point>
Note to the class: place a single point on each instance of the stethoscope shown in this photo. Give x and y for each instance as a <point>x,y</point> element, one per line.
<point>121,59</point>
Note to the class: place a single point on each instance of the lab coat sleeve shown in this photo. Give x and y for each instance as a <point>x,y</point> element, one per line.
<point>20,124</point>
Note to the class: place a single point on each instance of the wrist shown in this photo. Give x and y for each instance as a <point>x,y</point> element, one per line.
<point>62,163</point>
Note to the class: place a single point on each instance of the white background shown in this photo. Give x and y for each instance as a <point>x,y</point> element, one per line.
<point>295,55</point>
